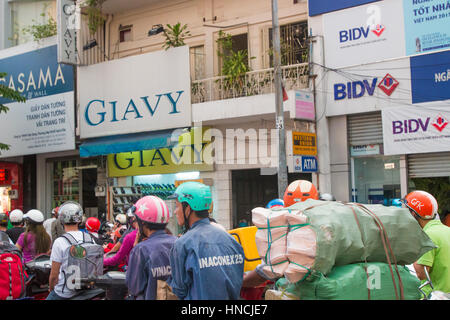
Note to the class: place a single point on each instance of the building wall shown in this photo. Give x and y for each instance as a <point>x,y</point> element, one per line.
<point>253,17</point>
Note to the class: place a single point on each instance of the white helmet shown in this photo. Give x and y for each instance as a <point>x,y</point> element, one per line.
<point>70,212</point>
<point>121,218</point>
<point>34,216</point>
<point>16,216</point>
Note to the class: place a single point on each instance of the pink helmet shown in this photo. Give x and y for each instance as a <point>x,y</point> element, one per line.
<point>152,209</point>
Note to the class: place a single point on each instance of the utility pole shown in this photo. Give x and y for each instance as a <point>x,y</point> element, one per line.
<point>279,116</point>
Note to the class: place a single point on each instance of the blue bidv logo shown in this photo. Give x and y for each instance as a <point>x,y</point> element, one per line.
<point>36,74</point>
<point>317,7</point>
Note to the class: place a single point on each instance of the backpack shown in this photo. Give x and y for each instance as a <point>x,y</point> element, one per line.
<point>85,259</point>
<point>12,273</point>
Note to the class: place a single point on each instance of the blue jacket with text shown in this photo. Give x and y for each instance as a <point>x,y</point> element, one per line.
<point>207,264</point>
<point>149,262</point>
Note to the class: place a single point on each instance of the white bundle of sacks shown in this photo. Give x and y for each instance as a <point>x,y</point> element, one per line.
<point>285,242</point>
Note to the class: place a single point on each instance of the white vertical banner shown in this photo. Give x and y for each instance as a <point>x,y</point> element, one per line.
<point>410,129</point>
<point>68,21</point>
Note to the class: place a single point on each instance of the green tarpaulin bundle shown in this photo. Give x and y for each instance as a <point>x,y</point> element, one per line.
<point>324,234</point>
<point>360,281</point>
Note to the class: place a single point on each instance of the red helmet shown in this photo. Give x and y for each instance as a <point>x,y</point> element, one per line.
<point>299,191</point>
<point>422,204</point>
<point>93,224</point>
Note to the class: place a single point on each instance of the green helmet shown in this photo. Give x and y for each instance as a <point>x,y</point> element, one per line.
<point>196,194</point>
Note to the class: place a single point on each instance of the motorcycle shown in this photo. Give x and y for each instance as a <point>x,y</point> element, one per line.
<point>435,294</point>
<point>112,284</point>
<point>38,271</point>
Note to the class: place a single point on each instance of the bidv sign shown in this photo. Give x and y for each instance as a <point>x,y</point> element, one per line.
<point>358,89</point>
<point>360,33</point>
<point>419,125</point>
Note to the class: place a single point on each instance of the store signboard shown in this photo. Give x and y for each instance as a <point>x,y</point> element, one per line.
<point>430,77</point>
<point>426,25</point>
<point>146,92</point>
<point>45,122</point>
<point>158,161</point>
<point>304,143</point>
<point>68,22</point>
<point>305,164</point>
<point>317,7</point>
<point>365,150</point>
<point>364,34</point>
<point>304,105</point>
<point>369,88</point>
<point>412,129</point>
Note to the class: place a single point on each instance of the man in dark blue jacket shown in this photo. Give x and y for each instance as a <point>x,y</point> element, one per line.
<point>207,263</point>
<point>148,264</point>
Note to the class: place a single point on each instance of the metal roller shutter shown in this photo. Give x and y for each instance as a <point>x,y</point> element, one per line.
<point>429,165</point>
<point>365,129</point>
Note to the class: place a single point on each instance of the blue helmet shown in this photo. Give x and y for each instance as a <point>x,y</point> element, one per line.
<point>275,203</point>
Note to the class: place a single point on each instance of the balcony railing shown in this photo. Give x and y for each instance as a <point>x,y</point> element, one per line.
<point>252,83</point>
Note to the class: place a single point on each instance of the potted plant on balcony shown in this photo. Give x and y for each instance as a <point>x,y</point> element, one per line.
<point>175,35</point>
<point>234,67</point>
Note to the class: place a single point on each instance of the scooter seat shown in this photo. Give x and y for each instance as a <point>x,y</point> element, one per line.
<point>88,294</point>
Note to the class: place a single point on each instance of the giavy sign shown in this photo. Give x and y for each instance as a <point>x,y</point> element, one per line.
<point>141,93</point>
<point>411,129</point>
<point>358,89</point>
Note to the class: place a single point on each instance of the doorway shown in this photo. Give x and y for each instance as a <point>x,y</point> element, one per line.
<point>250,189</point>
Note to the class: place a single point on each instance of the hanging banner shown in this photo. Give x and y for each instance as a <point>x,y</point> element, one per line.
<point>410,129</point>
<point>426,25</point>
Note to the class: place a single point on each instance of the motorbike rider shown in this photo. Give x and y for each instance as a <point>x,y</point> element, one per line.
<point>70,215</point>
<point>48,223</point>
<point>92,227</point>
<point>206,263</point>
<point>34,240</point>
<point>149,265</point>
<point>424,208</point>
<point>16,219</point>
<point>128,240</point>
<point>297,191</point>
<point>3,227</point>
<point>275,203</point>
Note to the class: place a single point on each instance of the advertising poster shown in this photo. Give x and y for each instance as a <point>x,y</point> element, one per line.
<point>45,122</point>
<point>426,25</point>
<point>411,129</point>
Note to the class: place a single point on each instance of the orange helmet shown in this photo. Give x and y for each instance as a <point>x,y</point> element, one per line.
<point>299,191</point>
<point>422,204</point>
